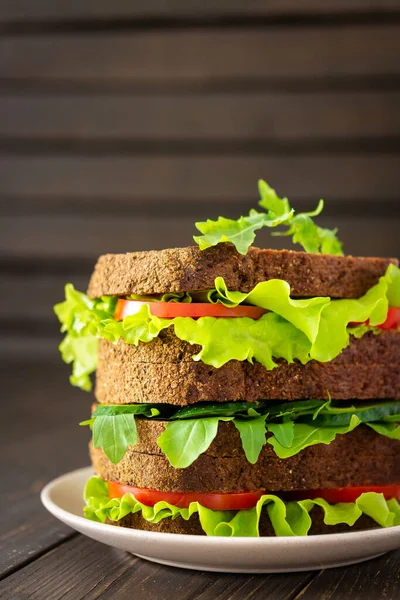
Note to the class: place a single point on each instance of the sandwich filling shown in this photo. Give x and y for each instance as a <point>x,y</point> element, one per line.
<point>287,517</point>
<point>292,329</point>
<point>241,392</point>
<point>288,427</point>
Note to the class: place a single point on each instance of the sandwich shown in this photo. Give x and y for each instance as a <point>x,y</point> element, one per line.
<point>241,391</point>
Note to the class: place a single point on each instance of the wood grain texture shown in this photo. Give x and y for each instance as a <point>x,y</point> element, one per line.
<point>335,177</point>
<point>203,56</point>
<point>24,10</point>
<point>42,290</point>
<point>379,578</point>
<point>39,238</point>
<point>86,569</point>
<point>295,117</point>
<point>43,410</point>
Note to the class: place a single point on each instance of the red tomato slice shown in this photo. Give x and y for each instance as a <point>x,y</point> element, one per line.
<point>169,310</point>
<point>392,320</point>
<point>242,500</point>
<point>349,494</point>
<point>148,497</point>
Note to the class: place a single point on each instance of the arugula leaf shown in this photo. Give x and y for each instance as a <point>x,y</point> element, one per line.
<point>215,409</point>
<point>252,433</point>
<point>335,416</point>
<point>390,430</point>
<point>293,425</point>
<point>283,432</point>
<point>115,434</point>
<point>111,410</point>
<point>241,232</point>
<point>287,518</point>
<point>305,435</point>
<point>182,442</point>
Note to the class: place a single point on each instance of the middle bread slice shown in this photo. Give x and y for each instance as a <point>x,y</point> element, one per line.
<point>163,371</point>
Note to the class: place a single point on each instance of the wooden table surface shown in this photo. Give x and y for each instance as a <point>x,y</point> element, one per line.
<point>43,559</point>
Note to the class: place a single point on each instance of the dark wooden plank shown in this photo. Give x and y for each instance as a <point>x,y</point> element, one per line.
<point>23,10</point>
<point>54,238</point>
<point>203,56</point>
<point>86,569</point>
<point>43,291</point>
<point>41,439</point>
<point>265,116</point>
<point>379,578</point>
<point>335,177</point>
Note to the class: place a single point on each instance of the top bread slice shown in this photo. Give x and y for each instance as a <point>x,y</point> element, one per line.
<point>192,269</point>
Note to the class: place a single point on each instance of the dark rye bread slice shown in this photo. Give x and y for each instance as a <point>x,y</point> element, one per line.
<point>190,269</point>
<point>193,527</point>
<point>361,457</point>
<point>162,371</point>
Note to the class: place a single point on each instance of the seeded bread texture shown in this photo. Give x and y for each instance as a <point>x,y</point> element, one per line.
<point>193,527</point>
<point>361,457</point>
<point>190,269</point>
<point>162,371</point>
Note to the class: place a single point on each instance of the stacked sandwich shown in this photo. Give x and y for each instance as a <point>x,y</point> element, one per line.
<point>241,391</point>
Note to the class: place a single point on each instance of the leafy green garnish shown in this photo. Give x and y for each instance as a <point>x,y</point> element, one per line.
<point>252,433</point>
<point>287,518</point>
<point>390,430</point>
<point>241,232</point>
<point>183,441</point>
<point>81,318</point>
<point>315,328</point>
<point>189,431</point>
<point>114,435</point>
<point>307,434</point>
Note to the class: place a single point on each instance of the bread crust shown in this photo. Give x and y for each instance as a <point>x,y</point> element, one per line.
<point>361,457</point>
<point>163,371</point>
<point>190,269</point>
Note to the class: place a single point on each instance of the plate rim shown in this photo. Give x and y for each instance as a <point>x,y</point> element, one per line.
<point>268,541</point>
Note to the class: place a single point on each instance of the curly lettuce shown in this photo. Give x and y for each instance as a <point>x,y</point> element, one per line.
<point>241,232</point>
<point>287,518</point>
<point>316,328</point>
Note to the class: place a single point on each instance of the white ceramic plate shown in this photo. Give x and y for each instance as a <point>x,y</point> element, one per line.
<point>63,498</point>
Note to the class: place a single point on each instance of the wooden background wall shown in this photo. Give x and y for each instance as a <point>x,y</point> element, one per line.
<point>121,123</point>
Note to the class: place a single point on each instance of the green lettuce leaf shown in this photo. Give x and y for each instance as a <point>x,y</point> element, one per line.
<point>114,434</point>
<point>316,328</point>
<point>252,433</point>
<point>264,339</point>
<point>390,430</point>
<point>81,352</point>
<point>81,318</point>
<point>274,295</point>
<point>182,442</point>
<point>287,518</point>
<point>393,291</point>
<point>293,426</point>
<point>241,232</point>
<point>305,434</point>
